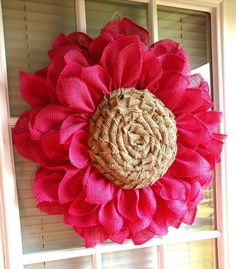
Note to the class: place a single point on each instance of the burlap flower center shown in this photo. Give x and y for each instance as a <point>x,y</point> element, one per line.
<point>132,139</point>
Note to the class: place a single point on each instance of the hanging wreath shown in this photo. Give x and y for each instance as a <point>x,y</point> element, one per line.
<point>123,134</point>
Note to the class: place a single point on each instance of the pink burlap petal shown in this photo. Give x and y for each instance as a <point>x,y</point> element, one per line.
<point>42,72</point>
<point>98,82</point>
<point>147,204</point>
<point>137,219</point>
<point>193,101</point>
<point>79,207</point>
<point>98,189</point>
<point>78,151</point>
<point>173,62</point>
<point>21,135</point>
<point>110,218</point>
<point>71,125</point>
<point>46,185</point>
<point>189,163</point>
<point>166,47</point>
<point>151,71</point>
<point>191,131</point>
<point>74,93</point>
<point>70,185</point>
<point>127,209</point>
<point>212,150</point>
<point>171,89</point>
<point>170,188</point>
<point>76,56</point>
<point>52,147</point>
<point>36,90</point>
<point>116,60</point>
<point>98,45</point>
<point>41,157</point>
<point>83,221</point>
<point>142,236</point>
<point>49,118</point>
<point>124,27</point>
<point>92,235</point>
<point>72,69</point>
<point>64,43</point>
<point>211,119</point>
<point>120,237</point>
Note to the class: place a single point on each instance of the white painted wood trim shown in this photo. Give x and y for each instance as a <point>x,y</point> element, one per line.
<point>2,237</point>
<point>163,256</point>
<point>45,256</point>
<point>8,193</point>
<point>220,172</point>
<point>201,5</point>
<point>152,10</point>
<point>12,121</point>
<point>97,258</point>
<point>80,15</point>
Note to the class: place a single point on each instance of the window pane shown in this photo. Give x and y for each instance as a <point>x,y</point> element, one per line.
<point>190,28</point>
<point>78,263</point>
<point>99,12</point>
<point>192,255</point>
<point>144,258</point>
<point>30,26</point>
<point>205,215</point>
<point>39,231</point>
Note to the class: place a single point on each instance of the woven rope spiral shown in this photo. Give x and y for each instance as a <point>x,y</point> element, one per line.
<point>132,139</point>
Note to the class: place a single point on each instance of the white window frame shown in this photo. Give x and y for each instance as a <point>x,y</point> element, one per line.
<point>11,256</point>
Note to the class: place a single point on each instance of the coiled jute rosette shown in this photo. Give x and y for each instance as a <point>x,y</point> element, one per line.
<point>132,138</point>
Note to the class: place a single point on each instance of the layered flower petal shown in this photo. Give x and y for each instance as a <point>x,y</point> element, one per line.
<point>124,26</point>
<point>70,125</point>
<point>92,235</point>
<point>189,163</point>
<point>98,189</point>
<point>36,90</point>
<point>116,59</point>
<point>78,152</point>
<point>74,93</point>
<point>191,131</point>
<point>151,71</point>
<point>70,185</point>
<point>193,100</point>
<point>110,218</point>
<point>171,89</point>
<point>21,135</point>
<point>48,118</point>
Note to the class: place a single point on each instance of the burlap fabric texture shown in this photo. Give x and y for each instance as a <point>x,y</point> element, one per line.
<point>132,138</point>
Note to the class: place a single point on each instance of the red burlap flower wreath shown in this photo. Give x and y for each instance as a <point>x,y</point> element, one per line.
<point>123,134</point>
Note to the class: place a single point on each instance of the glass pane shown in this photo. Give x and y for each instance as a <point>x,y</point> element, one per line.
<point>144,258</point>
<point>77,263</point>
<point>192,255</point>
<point>190,28</point>
<point>30,26</point>
<point>205,215</point>
<point>39,231</point>
<point>99,12</point>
